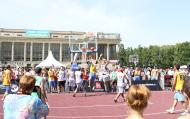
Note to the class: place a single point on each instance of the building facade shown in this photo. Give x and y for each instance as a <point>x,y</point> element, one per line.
<point>25,47</point>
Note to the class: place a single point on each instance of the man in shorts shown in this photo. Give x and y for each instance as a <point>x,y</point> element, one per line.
<point>7,80</point>
<point>178,88</point>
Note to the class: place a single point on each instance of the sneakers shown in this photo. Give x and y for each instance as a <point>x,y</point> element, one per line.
<point>115,100</point>
<point>171,110</point>
<point>184,113</point>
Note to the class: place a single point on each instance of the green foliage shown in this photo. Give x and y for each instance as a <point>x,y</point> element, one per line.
<point>160,56</point>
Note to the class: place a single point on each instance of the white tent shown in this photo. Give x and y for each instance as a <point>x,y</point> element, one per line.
<point>50,61</point>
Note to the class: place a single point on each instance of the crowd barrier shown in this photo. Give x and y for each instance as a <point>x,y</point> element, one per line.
<point>151,84</point>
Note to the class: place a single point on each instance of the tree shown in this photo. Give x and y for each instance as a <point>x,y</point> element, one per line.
<point>161,56</point>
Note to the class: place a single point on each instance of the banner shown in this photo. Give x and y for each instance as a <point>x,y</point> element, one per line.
<point>37,34</point>
<point>151,84</point>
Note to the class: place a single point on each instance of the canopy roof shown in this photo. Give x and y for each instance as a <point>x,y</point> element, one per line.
<point>50,61</point>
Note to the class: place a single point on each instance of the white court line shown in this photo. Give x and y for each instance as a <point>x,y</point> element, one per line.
<point>70,117</point>
<point>84,117</point>
<point>89,117</point>
<point>93,106</point>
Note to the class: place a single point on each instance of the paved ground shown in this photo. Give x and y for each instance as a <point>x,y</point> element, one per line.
<point>101,106</point>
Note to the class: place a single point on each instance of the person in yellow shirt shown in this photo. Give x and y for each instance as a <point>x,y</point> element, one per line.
<point>178,88</point>
<point>7,80</point>
<point>92,75</point>
<point>187,94</point>
<point>51,78</point>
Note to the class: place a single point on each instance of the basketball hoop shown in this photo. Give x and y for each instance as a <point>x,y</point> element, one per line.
<point>89,34</point>
<point>83,49</point>
<point>135,62</point>
<point>92,49</point>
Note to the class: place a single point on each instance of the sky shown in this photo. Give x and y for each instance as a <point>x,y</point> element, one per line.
<point>139,22</point>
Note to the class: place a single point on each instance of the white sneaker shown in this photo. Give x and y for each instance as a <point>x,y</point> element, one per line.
<point>184,113</point>
<point>171,110</point>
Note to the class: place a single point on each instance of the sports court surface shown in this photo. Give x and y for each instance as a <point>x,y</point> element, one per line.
<point>100,105</point>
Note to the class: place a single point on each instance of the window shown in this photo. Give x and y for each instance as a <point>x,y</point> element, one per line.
<point>18,51</point>
<point>112,52</point>
<point>55,48</point>
<point>6,34</point>
<point>19,35</point>
<point>37,52</point>
<point>28,51</point>
<point>6,51</point>
<point>102,48</point>
<point>66,52</point>
<point>46,48</point>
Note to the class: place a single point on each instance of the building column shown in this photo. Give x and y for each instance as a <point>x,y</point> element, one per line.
<point>0,52</point>
<point>43,51</point>
<point>96,49</point>
<point>108,53</point>
<point>97,55</point>
<point>60,53</point>
<point>12,52</point>
<point>72,57</point>
<point>24,51</point>
<point>31,51</point>
<point>49,47</point>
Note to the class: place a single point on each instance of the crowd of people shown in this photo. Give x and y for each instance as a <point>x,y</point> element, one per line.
<point>77,78</point>
<point>65,79</point>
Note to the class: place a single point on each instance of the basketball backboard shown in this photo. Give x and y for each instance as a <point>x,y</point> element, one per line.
<point>134,58</point>
<point>87,41</point>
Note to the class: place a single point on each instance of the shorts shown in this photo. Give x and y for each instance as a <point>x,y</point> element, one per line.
<point>92,76</point>
<point>52,83</point>
<point>179,96</point>
<point>79,85</point>
<point>61,83</point>
<point>137,78</point>
<point>120,89</point>
<point>7,89</point>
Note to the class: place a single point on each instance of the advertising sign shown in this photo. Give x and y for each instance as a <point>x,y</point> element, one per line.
<point>37,33</point>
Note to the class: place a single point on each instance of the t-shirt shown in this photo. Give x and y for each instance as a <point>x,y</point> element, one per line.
<point>7,77</point>
<point>51,75</point>
<point>39,80</point>
<point>179,81</point>
<point>78,76</point>
<point>120,79</point>
<point>24,107</point>
<point>71,75</point>
<point>92,69</point>
<point>61,75</point>
<point>114,75</point>
<point>84,75</point>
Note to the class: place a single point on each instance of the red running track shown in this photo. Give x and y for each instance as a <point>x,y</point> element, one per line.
<point>101,106</point>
